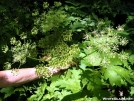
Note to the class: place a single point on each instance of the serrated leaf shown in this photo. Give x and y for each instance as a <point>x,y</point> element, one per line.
<point>116,61</point>
<point>125,63</point>
<point>85,62</point>
<point>38,93</point>
<point>64,93</point>
<point>83,66</point>
<point>72,83</point>
<point>122,72</point>
<point>110,74</point>
<point>8,91</point>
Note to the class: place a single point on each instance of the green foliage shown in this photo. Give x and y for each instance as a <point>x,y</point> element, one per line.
<point>75,34</point>
<point>38,93</point>
<point>101,7</point>
<point>132,91</point>
<point>50,24</point>
<point>8,91</point>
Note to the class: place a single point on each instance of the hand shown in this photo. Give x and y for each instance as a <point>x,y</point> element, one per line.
<point>55,70</point>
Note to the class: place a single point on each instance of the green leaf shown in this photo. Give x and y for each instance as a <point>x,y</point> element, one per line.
<point>38,93</point>
<point>84,64</point>
<point>115,61</point>
<point>94,84</point>
<point>72,83</point>
<point>131,59</point>
<point>64,93</point>
<point>91,24</point>
<point>90,86</point>
<point>21,90</point>
<point>113,77</point>
<point>82,55</point>
<point>76,25</point>
<point>132,91</point>
<point>122,72</point>
<point>17,30</point>
<point>95,99</point>
<point>87,51</point>
<point>84,82</point>
<point>126,64</point>
<point>8,91</point>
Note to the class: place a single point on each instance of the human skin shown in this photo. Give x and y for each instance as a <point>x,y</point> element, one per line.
<point>8,78</point>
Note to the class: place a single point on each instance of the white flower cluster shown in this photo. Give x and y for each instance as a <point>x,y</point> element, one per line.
<point>19,51</point>
<point>107,44</point>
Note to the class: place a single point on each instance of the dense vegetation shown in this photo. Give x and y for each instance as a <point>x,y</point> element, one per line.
<point>92,37</point>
